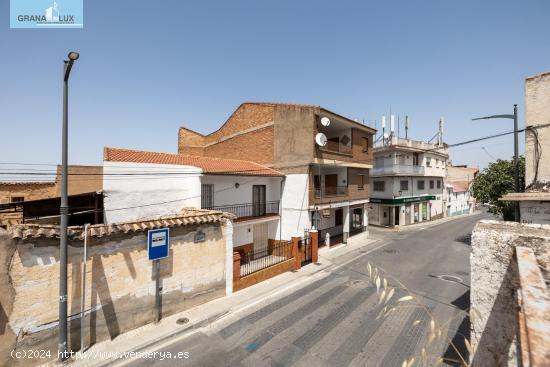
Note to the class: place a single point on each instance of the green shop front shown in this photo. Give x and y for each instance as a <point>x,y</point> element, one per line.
<point>400,211</point>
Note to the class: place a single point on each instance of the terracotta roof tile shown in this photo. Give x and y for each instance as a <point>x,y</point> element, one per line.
<point>187,216</point>
<point>207,164</point>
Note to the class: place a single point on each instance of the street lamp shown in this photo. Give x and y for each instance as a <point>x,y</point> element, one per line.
<point>64,211</point>
<point>516,158</point>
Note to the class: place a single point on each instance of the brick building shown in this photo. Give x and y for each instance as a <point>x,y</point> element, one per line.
<point>325,187</point>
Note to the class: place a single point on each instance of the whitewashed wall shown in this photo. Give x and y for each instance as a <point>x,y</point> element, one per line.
<point>225,192</point>
<point>136,192</point>
<point>295,202</point>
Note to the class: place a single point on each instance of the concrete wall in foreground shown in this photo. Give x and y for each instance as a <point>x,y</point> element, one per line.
<point>494,282</point>
<point>120,288</point>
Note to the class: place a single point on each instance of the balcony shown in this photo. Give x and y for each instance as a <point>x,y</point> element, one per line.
<point>336,147</point>
<point>249,210</point>
<point>331,191</point>
<point>397,169</point>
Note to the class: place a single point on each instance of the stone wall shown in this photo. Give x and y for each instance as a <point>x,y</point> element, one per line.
<point>537,113</point>
<point>120,289</point>
<point>494,282</point>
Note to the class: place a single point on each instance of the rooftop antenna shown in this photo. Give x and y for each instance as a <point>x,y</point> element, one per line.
<point>440,132</point>
<point>398,126</point>
<point>383,129</point>
<point>406,126</point>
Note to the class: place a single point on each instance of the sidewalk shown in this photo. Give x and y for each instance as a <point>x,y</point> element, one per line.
<point>425,224</point>
<point>149,337</point>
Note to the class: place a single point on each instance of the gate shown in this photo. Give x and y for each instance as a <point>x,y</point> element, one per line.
<point>304,248</point>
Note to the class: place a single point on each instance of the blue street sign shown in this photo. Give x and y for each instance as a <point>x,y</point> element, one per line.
<point>157,243</point>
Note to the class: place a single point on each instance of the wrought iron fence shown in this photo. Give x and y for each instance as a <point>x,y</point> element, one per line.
<point>257,260</point>
<point>249,209</point>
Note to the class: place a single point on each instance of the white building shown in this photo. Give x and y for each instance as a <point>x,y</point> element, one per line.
<point>407,182</point>
<point>459,200</point>
<point>141,185</point>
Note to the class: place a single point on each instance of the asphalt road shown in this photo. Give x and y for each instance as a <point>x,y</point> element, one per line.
<point>335,321</point>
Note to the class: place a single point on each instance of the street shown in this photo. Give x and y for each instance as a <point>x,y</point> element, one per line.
<point>335,321</point>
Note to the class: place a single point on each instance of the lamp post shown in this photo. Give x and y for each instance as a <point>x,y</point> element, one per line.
<point>514,117</point>
<point>64,212</point>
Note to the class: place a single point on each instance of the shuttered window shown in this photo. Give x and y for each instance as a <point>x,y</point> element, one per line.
<point>207,196</point>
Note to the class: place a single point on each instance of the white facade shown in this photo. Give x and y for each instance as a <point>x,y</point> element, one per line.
<point>458,202</point>
<point>407,183</point>
<point>295,202</point>
<point>154,190</point>
<point>135,191</point>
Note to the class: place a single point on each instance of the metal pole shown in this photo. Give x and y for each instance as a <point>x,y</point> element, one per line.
<point>83,293</point>
<point>516,162</point>
<point>64,208</point>
<point>157,290</point>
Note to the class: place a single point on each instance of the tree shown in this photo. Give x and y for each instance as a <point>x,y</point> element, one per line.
<point>495,181</point>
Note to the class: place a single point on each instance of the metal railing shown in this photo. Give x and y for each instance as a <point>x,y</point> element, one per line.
<point>331,191</point>
<point>257,260</point>
<point>249,209</point>
<point>396,169</point>
<point>333,146</point>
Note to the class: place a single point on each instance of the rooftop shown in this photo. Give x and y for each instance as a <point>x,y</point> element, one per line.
<point>208,165</point>
<point>187,216</point>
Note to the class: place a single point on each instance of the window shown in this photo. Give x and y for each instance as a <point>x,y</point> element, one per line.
<point>428,162</point>
<point>404,185</point>
<point>207,196</point>
<point>437,162</point>
<point>438,184</point>
<point>415,159</point>
<point>17,199</point>
<point>432,184</point>
<point>365,144</point>
<point>361,182</point>
<point>339,217</point>
<point>379,186</point>
<point>420,184</point>
<point>379,162</point>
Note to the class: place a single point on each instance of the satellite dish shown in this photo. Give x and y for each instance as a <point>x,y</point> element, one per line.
<point>321,139</point>
<point>325,121</point>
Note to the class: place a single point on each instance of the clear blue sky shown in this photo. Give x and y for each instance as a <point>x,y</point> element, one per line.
<point>148,67</point>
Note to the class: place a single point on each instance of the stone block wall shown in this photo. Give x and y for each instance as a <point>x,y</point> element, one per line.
<point>120,289</point>
<point>494,282</point>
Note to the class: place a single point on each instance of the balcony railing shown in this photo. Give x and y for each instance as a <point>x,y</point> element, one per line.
<point>249,209</point>
<point>331,191</point>
<point>397,169</point>
<point>333,146</point>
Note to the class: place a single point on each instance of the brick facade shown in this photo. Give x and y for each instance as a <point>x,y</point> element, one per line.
<point>246,135</point>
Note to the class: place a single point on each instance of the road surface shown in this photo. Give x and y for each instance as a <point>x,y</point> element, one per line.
<point>335,321</point>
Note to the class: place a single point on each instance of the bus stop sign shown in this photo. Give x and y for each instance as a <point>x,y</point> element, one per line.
<point>157,243</point>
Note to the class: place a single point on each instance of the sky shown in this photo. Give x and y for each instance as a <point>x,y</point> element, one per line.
<point>146,68</point>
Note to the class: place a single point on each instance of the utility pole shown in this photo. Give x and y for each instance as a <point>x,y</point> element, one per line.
<point>64,211</point>
<point>514,117</point>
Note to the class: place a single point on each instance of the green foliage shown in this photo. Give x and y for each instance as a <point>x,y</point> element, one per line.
<point>495,181</point>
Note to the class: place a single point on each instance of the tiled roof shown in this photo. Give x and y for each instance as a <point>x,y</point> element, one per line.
<point>27,183</point>
<point>187,216</point>
<point>458,186</point>
<point>207,164</point>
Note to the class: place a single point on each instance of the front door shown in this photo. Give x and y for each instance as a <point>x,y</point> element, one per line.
<point>260,238</point>
<point>396,209</point>
<point>385,215</point>
<point>258,200</point>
